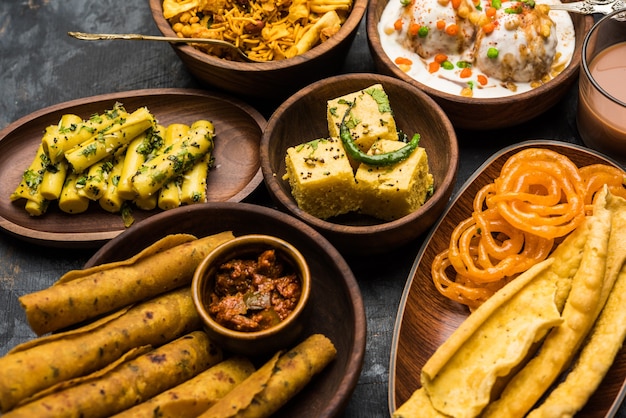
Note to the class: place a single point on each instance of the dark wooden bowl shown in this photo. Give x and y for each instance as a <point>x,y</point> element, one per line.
<point>237,172</point>
<point>335,303</point>
<point>426,318</point>
<point>303,118</point>
<point>484,113</point>
<point>274,80</point>
<point>285,333</point>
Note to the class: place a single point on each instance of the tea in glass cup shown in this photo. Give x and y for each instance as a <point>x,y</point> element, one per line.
<point>601,117</point>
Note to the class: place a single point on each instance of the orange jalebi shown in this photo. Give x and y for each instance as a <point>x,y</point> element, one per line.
<point>540,191</point>
<point>540,196</point>
<point>596,176</point>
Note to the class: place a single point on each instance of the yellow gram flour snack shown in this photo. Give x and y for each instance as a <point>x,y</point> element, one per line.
<point>321,178</point>
<point>84,294</point>
<point>606,337</point>
<point>370,119</point>
<point>491,344</point>
<point>196,395</point>
<point>586,278</point>
<point>129,383</point>
<point>579,315</point>
<point>67,355</point>
<point>418,405</point>
<point>277,381</point>
<point>391,192</point>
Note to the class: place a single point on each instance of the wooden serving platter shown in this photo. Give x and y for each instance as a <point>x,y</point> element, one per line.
<point>236,173</point>
<point>335,306</point>
<point>426,319</point>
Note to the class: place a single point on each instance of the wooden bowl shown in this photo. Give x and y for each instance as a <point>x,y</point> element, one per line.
<point>265,341</point>
<point>426,318</point>
<point>273,80</point>
<point>336,306</point>
<point>303,118</point>
<point>484,113</point>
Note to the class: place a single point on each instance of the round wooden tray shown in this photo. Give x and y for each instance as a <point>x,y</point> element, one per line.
<point>426,318</point>
<point>236,173</point>
<point>336,306</point>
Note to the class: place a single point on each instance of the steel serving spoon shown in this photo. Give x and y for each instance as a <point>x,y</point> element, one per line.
<point>137,37</point>
<point>588,7</point>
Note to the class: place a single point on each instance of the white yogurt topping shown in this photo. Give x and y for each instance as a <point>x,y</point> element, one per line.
<point>522,52</point>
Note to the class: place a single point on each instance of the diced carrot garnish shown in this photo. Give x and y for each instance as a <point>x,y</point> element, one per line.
<point>433,67</point>
<point>403,61</point>
<point>490,12</point>
<point>466,72</point>
<point>441,58</point>
<point>452,29</point>
<point>397,25</point>
<point>481,79</point>
<point>441,24</point>
<point>414,28</point>
<point>456,4</point>
<point>489,27</point>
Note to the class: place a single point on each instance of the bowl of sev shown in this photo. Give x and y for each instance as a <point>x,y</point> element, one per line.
<point>252,293</point>
<point>291,50</point>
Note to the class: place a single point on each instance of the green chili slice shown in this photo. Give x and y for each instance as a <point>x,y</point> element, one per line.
<point>386,158</point>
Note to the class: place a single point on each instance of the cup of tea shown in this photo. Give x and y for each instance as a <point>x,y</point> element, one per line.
<point>601,116</point>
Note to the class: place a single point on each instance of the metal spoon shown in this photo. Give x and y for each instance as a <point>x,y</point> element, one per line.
<point>588,7</point>
<point>137,37</point>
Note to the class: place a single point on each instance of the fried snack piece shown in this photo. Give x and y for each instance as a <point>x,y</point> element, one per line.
<point>85,294</point>
<point>491,343</point>
<point>418,405</point>
<point>579,314</point>
<point>605,340</point>
<point>129,383</point>
<point>190,399</point>
<point>277,381</point>
<point>557,272</point>
<point>58,357</point>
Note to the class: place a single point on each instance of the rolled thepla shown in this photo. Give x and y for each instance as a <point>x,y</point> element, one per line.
<point>85,294</point>
<point>129,383</point>
<point>59,357</point>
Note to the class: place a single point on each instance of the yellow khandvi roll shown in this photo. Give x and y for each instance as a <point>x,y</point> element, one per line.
<point>62,356</point>
<point>140,148</point>
<point>111,201</point>
<point>107,142</point>
<point>84,294</point>
<point>53,179</point>
<point>70,200</point>
<point>277,381</point>
<point>32,176</point>
<point>169,195</point>
<point>128,383</point>
<point>94,181</point>
<point>193,187</point>
<point>190,399</point>
<point>175,160</point>
<point>74,131</point>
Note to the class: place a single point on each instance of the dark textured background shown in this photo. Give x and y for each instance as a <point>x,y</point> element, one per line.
<point>40,66</point>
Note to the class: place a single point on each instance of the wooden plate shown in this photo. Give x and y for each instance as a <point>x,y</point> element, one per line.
<point>237,172</point>
<point>337,307</point>
<point>426,319</point>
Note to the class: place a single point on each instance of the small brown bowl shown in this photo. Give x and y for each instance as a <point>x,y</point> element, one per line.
<point>251,343</point>
<point>303,118</point>
<point>274,80</point>
<point>484,113</point>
